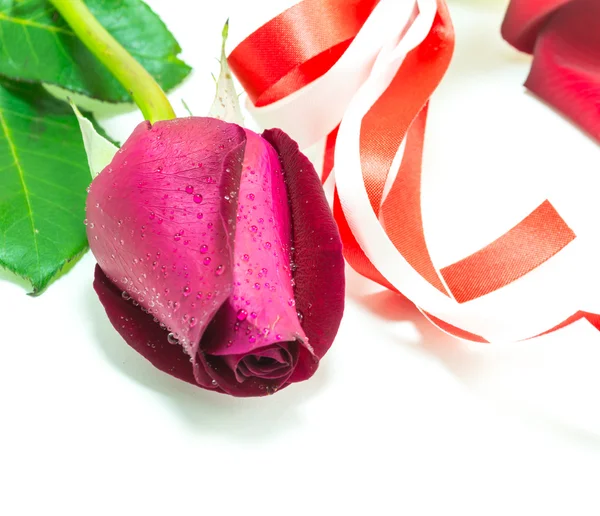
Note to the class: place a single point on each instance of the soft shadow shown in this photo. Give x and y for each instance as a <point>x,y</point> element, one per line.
<point>204,411</point>
<point>6,275</point>
<point>467,362</point>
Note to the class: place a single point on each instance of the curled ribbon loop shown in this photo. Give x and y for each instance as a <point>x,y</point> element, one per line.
<point>360,74</point>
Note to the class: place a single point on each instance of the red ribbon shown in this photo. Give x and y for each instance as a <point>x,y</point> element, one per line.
<point>302,44</point>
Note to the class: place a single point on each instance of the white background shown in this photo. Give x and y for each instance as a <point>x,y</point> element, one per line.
<point>399,419</point>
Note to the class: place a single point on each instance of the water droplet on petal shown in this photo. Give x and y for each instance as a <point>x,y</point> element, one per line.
<point>171,339</point>
<point>197,198</point>
<point>125,296</point>
<point>242,315</point>
<point>245,257</point>
<point>220,270</point>
<point>186,291</point>
<point>253,229</point>
<point>189,189</point>
<point>204,249</point>
<point>250,196</point>
<point>206,260</point>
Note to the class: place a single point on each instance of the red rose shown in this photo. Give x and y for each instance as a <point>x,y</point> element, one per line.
<point>218,257</point>
<point>564,37</point>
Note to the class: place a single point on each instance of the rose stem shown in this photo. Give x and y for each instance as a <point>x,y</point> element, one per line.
<point>142,87</point>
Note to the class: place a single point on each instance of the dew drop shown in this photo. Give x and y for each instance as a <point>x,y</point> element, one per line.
<point>250,196</point>
<point>253,229</point>
<point>125,296</point>
<point>257,286</point>
<point>186,291</point>
<point>252,339</point>
<point>189,189</point>
<point>193,322</point>
<point>171,339</point>
<point>245,257</point>
<point>254,315</point>
<point>220,270</point>
<point>197,198</point>
<point>206,260</point>
<point>267,245</point>
<point>204,249</point>
<point>85,222</point>
<point>291,302</point>
<point>242,315</point>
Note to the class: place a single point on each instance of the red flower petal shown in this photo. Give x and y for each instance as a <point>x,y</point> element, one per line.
<point>143,206</point>
<point>565,39</point>
<point>160,226</point>
<point>525,18</point>
<point>319,265</point>
<point>144,335</point>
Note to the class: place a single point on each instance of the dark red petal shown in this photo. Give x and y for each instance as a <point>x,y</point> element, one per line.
<point>145,336</point>
<point>319,274</point>
<point>144,227</point>
<point>525,18</point>
<point>242,382</point>
<point>564,36</point>
<point>566,67</point>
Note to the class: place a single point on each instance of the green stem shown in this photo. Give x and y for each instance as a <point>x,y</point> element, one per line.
<point>142,87</point>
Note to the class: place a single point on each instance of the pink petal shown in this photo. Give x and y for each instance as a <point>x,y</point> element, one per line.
<point>140,331</point>
<point>261,310</point>
<point>319,265</point>
<point>161,222</point>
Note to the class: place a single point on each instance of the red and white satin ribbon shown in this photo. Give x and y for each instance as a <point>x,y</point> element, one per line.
<point>360,73</point>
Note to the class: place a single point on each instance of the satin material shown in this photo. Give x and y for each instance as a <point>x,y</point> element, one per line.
<point>302,44</point>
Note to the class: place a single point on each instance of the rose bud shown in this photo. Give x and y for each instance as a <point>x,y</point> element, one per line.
<point>218,257</point>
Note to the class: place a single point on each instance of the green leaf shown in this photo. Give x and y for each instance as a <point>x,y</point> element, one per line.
<point>100,151</point>
<point>43,180</point>
<point>37,45</point>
